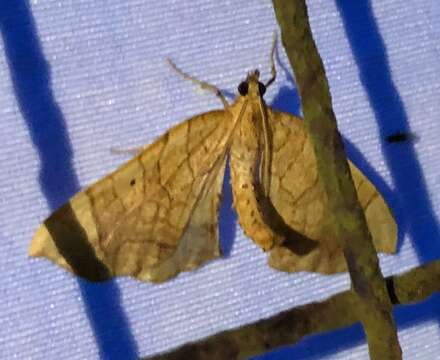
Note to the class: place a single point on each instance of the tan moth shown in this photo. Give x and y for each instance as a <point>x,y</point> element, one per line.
<point>157,215</point>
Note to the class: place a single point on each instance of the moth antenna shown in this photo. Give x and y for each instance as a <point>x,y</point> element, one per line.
<point>203,85</point>
<point>273,69</point>
<point>130,151</point>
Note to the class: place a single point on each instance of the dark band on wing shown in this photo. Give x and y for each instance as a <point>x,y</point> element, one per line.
<point>72,242</point>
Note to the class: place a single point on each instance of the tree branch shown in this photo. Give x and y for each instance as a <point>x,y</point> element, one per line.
<point>288,327</point>
<point>374,307</point>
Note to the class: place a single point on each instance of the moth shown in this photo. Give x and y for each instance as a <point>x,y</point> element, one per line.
<point>157,215</point>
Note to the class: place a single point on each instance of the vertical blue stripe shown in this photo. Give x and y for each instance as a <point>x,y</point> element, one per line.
<point>409,199</point>
<point>30,74</point>
<point>416,213</point>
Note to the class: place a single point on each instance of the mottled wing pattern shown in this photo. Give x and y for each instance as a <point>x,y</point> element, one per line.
<point>154,216</point>
<point>299,197</point>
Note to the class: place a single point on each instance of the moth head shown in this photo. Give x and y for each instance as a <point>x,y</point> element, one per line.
<point>252,86</point>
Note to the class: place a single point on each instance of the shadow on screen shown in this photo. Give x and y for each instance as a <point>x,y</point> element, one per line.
<point>31,78</point>
<point>409,200</point>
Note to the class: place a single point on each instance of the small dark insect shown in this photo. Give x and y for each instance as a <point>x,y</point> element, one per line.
<point>401,137</point>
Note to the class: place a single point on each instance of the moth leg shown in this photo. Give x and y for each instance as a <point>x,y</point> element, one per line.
<point>130,151</point>
<point>203,85</point>
<point>272,61</point>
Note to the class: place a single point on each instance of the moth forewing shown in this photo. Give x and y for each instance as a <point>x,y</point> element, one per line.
<point>169,182</point>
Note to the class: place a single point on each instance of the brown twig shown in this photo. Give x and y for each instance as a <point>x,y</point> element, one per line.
<point>374,307</point>
<point>290,326</point>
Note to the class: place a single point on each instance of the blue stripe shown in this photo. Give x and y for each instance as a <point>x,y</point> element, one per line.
<point>415,214</point>
<point>30,74</point>
<point>409,200</point>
